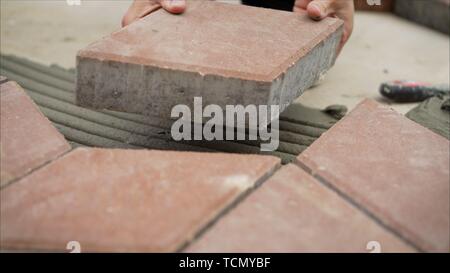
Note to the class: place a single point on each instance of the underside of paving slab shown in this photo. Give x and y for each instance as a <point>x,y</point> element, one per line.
<point>209,51</point>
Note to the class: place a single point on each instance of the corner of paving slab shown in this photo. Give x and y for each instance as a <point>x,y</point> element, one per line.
<point>29,141</point>
<point>404,154</point>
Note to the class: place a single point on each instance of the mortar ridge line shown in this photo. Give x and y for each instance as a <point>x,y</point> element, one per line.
<point>312,124</point>
<point>59,71</point>
<point>155,135</point>
<point>27,86</point>
<point>52,107</point>
<point>69,138</point>
<point>39,81</point>
<point>91,133</point>
<point>358,206</point>
<point>174,144</point>
<point>229,207</point>
<point>33,66</point>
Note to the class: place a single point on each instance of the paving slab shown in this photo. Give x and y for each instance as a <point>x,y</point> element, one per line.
<point>209,51</point>
<point>124,200</point>
<point>432,13</point>
<point>390,166</point>
<point>28,139</point>
<point>293,212</point>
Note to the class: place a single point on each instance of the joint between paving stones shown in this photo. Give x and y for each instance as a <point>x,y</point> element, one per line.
<point>17,179</point>
<point>228,208</point>
<point>358,206</point>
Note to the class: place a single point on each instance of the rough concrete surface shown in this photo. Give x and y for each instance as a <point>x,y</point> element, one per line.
<point>209,51</point>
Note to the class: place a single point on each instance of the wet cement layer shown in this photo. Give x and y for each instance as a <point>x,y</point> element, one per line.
<point>433,114</point>
<point>52,88</point>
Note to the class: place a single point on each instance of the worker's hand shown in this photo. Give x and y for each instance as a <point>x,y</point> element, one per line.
<point>319,9</point>
<point>141,8</point>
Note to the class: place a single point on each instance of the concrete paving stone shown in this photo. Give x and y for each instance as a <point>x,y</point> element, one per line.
<point>163,60</point>
<point>390,166</point>
<point>432,13</point>
<point>293,212</point>
<point>124,200</point>
<point>28,139</point>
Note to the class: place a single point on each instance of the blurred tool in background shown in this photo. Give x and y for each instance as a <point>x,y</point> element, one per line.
<point>411,91</point>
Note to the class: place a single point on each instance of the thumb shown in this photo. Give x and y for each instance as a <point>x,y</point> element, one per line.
<point>174,6</point>
<point>319,9</point>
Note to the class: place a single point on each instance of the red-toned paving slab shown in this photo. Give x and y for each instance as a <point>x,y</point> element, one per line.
<point>28,139</point>
<point>293,212</point>
<point>227,54</point>
<point>392,167</point>
<point>124,200</point>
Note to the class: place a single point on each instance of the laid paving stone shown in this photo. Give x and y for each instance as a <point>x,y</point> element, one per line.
<point>124,200</point>
<point>293,212</point>
<point>163,60</point>
<point>392,167</point>
<point>28,139</point>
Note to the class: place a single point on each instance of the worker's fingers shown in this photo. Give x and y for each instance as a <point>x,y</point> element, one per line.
<point>347,16</point>
<point>319,9</point>
<point>345,11</point>
<point>301,5</point>
<point>139,9</point>
<point>174,6</point>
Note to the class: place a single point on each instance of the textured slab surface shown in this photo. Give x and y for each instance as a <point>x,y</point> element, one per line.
<point>209,51</point>
<point>124,200</point>
<point>28,139</point>
<point>293,212</point>
<point>393,167</point>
